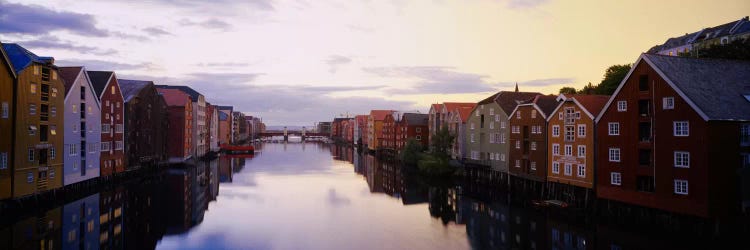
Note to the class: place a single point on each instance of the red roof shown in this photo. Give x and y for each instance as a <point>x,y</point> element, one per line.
<point>379,115</point>
<point>465,111</point>
<point>592,103</point>
<point>435,106</point>
<point>174,97</point>
<point>69,75</point>
<point>361,119</point>
<point>450,106</point>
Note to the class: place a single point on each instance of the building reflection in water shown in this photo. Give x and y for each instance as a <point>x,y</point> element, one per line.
<point>80,223</point>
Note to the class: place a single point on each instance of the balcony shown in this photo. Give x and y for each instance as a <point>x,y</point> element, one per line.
<point>644,132</point>
<point>644,108</point>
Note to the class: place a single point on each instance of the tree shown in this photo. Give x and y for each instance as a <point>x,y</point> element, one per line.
<point>612,78</point>
<point>410,155</point>
<point>588,90</point>
<point>567,90</point>
<point>441,143</point>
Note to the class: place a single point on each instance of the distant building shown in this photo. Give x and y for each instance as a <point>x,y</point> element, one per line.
<point>456,122</point>
<point>145,123</point>
<point>324,128</point>
<point>375,128</point>
<point>112,122</point>
<point>200,121</point>
<point>212,112</point>
<point>704,38</point>
<point>225,124</point>
<point>675,136</point>
<point>180,134</point>
<point>360,129</point>
<point>37,165</point>
<point>82,127</point>
<point>412,126</point>
<point>528,139</point>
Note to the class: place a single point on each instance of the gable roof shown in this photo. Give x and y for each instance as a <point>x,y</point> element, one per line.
<point>713,87</point>
<point>7,61</point>
<point>194,95</point>
<point>21,58</point>
<point>435,106</point>
<point>69,76</point>
<point>379,115</point>
<point>465,112</point>
<point>545,104</point>
<point>416,119</point>
<point>508,100</point>
<point>592,105</point>
<point>223,116</point>
<point>174,97</point>
<point>130,88</point>
<point>450,106</point>
<point>100,79</point>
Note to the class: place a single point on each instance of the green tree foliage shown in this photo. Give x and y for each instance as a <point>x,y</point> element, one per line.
<point>736,50</point>
<point>588,90</point>
<point>441,143</point>
<point>412,150</point>
<point>612,78</point>
<point>567,90</point>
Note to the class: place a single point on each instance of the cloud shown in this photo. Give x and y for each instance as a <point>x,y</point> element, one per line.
<point>335,61</point>
<point>155,31</point>
<point>223,64</point>
<point>540,82</point>
<point>434,80</point>
<point>335,199</point>
<point>218,78</point>
<point>329,89</point>
<point>522,4</point>
<point>104,65</point>
<point>51,42</point>
<point>38,20</point>
<point>199,4</point>
<point>212,23</point>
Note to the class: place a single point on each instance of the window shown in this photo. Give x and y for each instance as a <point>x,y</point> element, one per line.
<point>614,154</point>
<point>3,160</point>
<point>32,88</point>
<point>643,83</point>
<point>492,125</point>
<point>555,149</point>
<point>502,138</point>
<point>72,149</point>
<point>53,129</point>
<point>502,157</point>
<point>32,109</point>
<point>614,128</point>
<point>53,111</point>
<point>533,165</point>
<point>52,153</point>
<point>581,170</point>
<point>419,130</point>
<point>681,187</point>
<point>31,154</point>
<point>645,184</point>
<point>515,129</point>
<point>492,138</point>
<point>472,137</point>
<point>518,114</point>
<point>556,168</point>
<point>472,125</point>
<point>568,169</point>
<point>502,124</point>
<point>681,159</point>
<point>118,128</point>
<point>518,144</point>
<point>744,134</point>
<point>568,150</point>
<point>622,106</point>
<point>118,145</point>
<point>681,128</point>
<point>492,156</point>
<point>74,108</point>
<point>533,145</point>
<point>518,163</point>
<point>581,130</point>
<point>497,118</point>
<point>106,103</point>
<point>533,113</point>
<point>615,178</point>
<point>492,111</point>
<point>106,128</point>
<point>570,133</point>
<point>581,151</point>
<point>419,137</point>
<point>112,90</point>
<point>556,131</point>
<point>29,177</point>
<point>668,102</point>
<point>5,111</point>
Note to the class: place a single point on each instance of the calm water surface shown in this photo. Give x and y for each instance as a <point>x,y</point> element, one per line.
<point>305,196</point>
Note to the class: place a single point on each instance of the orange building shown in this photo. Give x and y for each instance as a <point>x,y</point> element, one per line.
<point>7,78</point>
<point>570,136</point>
<point>375,128</point>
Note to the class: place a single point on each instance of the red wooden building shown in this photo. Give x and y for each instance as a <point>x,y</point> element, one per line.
<point>671,136</point>
<point>113,121</point>
<point>413,126</point>
<point>390,125</point>
<point>180,110</point>
<point>528,138</point>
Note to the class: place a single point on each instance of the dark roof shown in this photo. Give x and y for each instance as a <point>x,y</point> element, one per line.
<point>489,99</point>
<point>508,100</point>
<point>130,88</point>
<point>6,60</point>
<point>715,86</point>
<point>547,103</point>
<point>99,80</point>
<point>416,119</point>
<point>174,97</point>
<point>230,108</point>
<point>69,75</point>
<point>191,92</point>
<point>21,58</point>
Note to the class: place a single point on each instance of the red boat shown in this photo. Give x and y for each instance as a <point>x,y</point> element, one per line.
<point>244,149</point>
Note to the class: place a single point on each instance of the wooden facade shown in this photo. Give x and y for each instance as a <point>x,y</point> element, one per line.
<point>375,128</point>
<point>528,138</point>
<point>112,157</point>
<point>146,121</point>
<point>38,118</point>
<point>180,134</point>
<point>661,144</point>
<point>7,83</point>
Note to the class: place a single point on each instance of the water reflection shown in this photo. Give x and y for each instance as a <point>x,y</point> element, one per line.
<point>307,196</point>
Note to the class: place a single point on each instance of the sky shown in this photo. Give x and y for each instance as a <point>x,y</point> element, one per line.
<point>298,62</point>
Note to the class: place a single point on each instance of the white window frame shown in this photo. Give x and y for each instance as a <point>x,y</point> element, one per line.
<point>615,178</point>
<point>518,114</point>
<point>518,163</point>
<point>555,149</point>
<point>555,130</point>
<point>502,157</point>
<point>492,125</point>
<point>502,123</point>
<point>471,136</point>
<point>614,155</point>
<point>533,145</point>
<point>568,150</point>
<point>472,125</point>
<point>518,144</point>
<point>5,110</point>
<point>613,128</point>
<point>581,130</point>
<point>681,187</point>
<point>555,167</point>
<point>515,129</point>
<point>667,102</point>
<point>581,151</point>
<point>681,159</point>
<point>622,106</point>
<point>3,160</point>
<point>568,169</point>
<point>533,113</point>
<point>678,130</point>
<point>502,138</point>
<point>581,170</point>
<point>106,146</point>
<point>533,165</point>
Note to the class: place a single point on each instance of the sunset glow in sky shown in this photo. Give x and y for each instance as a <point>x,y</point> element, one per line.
<point>298,62</point>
